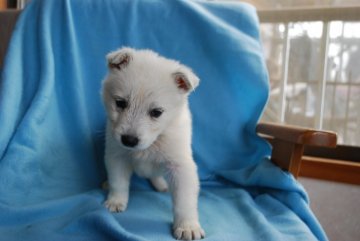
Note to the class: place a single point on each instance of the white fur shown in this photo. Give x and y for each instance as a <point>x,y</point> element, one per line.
<point>163,154</point>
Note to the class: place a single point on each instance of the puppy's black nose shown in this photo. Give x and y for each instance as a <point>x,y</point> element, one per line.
<point>129,141</point>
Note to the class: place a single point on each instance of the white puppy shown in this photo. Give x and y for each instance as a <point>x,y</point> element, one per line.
<point>149,132</point>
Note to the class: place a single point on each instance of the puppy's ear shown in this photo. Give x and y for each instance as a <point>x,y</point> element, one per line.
<point>119,59</point>
<point>186,80</point>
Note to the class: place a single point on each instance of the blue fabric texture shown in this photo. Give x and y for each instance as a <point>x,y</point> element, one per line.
<point>52,124</point>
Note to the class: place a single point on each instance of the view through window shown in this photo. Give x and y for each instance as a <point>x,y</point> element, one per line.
<point>312,50</point>
<point>298,61</point>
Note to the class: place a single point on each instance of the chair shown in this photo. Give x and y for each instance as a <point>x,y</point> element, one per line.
<point>58,75</point>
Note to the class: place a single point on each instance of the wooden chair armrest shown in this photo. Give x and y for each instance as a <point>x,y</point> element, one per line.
<point>288,143</point>
<point>298,135</point>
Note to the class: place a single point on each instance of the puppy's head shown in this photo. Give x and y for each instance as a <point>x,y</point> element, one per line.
<point>143,93</point>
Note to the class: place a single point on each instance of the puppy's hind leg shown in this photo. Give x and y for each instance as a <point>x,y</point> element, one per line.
<point>159,184</point>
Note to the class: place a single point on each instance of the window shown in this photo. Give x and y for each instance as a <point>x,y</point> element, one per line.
<point>315,81</point>
<point>313,58</point>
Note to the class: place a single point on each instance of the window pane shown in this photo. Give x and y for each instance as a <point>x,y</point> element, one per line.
<point>273,37</point>
<point>304,73</point>
<point>342,100</point>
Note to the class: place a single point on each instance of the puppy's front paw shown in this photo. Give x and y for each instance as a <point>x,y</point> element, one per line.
<point>116,204</point>
<point>188,231</point>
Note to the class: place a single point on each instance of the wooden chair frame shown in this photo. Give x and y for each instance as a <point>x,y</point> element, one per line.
<point>288,143</point>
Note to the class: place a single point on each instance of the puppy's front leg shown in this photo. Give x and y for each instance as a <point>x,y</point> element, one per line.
<point>184,186</point>
<point>119,174</point>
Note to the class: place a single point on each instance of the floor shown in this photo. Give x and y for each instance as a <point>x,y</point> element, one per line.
<point>337,206</point>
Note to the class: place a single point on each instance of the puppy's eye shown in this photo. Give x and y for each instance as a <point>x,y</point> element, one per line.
<point>156,113</point>
<point>121,103</point>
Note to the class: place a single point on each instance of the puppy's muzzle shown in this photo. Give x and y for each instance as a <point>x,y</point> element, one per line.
<point>129,141</point>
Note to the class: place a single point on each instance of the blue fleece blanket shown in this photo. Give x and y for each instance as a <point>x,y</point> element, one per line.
<point>52,124</point>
